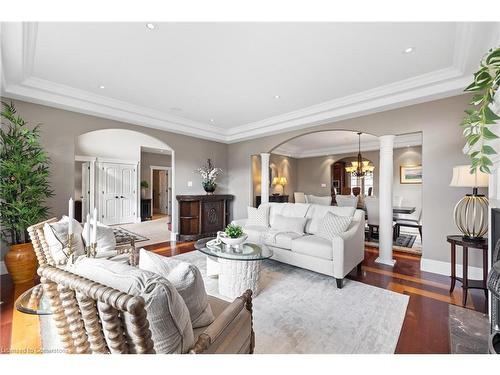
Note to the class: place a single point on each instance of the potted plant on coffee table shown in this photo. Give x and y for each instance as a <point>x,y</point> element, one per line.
<point>24,187</point>
<point>233,235</point>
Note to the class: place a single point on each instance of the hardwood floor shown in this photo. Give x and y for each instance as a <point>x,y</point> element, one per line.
<point>425,328</point>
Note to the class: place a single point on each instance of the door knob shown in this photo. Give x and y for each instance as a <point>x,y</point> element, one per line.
<point>116,196</point>
<point>121,196</point>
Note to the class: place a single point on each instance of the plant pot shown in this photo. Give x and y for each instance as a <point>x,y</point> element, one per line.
<point>21,263</point>
<point>231,241</point>
<point>209,187</point>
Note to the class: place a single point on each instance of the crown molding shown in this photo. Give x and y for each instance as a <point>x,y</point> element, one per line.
<point>19,83</point>
<point>401,141</point>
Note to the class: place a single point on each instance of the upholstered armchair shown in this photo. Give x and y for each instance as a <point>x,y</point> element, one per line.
<point>95,318</point>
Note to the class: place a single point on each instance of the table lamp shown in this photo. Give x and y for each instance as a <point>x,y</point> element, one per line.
<point>283,182</point>
<point>471,212</point>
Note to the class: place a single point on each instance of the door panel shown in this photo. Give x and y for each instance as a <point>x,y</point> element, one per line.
<point>117,186</point>
<point>128,193</point>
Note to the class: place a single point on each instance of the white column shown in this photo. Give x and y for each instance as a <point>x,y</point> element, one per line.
<point>385,182</point>
<point>264,177</point>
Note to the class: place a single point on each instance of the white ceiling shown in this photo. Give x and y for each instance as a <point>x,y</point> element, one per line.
<point>219,80</point>
<point>335,142</point>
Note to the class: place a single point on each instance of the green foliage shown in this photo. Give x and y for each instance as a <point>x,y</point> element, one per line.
<point>234,231</point>
<point>24,176</point>
<point>478,118</point>
<point>144,184</point>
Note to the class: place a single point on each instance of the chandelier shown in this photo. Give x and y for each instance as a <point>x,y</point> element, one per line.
<point>360,168</point>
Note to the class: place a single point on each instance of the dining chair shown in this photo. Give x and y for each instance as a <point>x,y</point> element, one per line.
<point>347,201</point>
<point>299,197</point>
<point>372,211</point>
<point>346,191</point>
<point>356,191</point>
<point>413,220</point>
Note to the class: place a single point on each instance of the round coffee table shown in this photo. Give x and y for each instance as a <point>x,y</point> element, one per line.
<point>239,268</point>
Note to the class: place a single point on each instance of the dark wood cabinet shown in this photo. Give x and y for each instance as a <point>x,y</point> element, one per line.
<point>338,177</point>
<point>146,210</point>
<point>272,198</point>
<point>203,215</point>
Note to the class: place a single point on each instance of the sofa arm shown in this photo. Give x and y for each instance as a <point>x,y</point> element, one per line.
<point>240,222</point>
<point>348,249</point>
<point>221,329</point>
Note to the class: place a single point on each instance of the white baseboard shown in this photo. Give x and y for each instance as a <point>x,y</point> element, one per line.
<point>444,268</point>
<point>3,268</point>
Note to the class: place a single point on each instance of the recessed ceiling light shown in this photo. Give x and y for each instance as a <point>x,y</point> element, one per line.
<point>212,120</point>
<point>276,96</point>
<point>101,86</point>
<point>151,26</point>
<point>409,50</point>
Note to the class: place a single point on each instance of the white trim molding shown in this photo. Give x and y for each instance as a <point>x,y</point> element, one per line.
<point>19,42</point>
<point>444,268</point>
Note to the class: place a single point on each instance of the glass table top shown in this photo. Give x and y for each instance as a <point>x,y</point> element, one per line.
<point>245,252</point>
<point>34,302</point>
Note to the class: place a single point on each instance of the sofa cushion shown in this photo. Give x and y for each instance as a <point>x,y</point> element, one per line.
<point>314,246</point>
<point>282,240</point>
<point>332,225</point>
<point>288,210</point>
<point>166,311</point>
<point>314,199</point>
<point>56,235</point>
<point>254,232</point>
<point>258,216</point>
<point>316,213</point>
<point>106,240</point>
<point>186,279</point>
<point>283,223</point>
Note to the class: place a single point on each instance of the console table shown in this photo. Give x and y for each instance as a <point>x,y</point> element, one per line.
<point>272,198</point>
<point>467,284</point>
<point>203,215</point>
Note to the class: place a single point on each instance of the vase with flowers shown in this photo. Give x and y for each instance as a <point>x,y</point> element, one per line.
<point>209,175</point>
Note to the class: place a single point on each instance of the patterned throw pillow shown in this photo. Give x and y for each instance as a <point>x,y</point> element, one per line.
<point>258,216</point>
<point>333,225</point>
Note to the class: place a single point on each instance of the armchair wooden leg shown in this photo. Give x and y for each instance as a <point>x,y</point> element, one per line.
<point>359,269</point>
<point>339,283</point>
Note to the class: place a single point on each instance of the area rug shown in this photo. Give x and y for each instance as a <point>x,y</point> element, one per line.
<point>469,331</point>
<point>123,236</point>
<point>155,231</point>
<point>300,311</point>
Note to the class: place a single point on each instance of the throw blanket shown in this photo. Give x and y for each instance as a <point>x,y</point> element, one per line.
<point>270,236</point>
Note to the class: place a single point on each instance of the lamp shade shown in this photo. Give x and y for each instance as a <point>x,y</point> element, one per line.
<point>276,180</point>
<point>283,181</point>
<point>463,178</point>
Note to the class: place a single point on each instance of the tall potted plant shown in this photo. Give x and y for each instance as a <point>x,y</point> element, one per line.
<point>24,187</point>
<point>209,175</point>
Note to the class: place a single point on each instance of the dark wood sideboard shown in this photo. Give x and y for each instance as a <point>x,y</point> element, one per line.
<point>203,215</point>
<point>272,198</point>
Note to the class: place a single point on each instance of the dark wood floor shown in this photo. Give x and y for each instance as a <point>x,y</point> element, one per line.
<point>425,328</point>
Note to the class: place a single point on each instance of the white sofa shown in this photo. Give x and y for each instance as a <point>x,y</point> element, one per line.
<point>335,257</point>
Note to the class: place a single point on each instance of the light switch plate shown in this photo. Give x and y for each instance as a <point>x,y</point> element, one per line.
<point>323,185</point>
<point>190,183</point>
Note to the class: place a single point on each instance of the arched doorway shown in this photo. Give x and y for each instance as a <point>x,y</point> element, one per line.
<point>115,177</point>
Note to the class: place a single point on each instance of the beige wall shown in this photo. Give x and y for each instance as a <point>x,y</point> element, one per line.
<point>442,149</point>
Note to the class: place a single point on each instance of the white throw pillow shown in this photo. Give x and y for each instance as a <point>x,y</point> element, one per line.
<point>332,225</point>
<point>258,216</point>
<point>289,224</point>
<point>187,279</point>
<point>167,314</point>
<point>56,235</point>
<point>324,201</point>
<point>106,241</point>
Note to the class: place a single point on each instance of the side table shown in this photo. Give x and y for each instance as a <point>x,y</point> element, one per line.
<point>467,284</point>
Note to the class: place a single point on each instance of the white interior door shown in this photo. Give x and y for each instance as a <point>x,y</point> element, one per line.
<point>128,182</point>
<point>117,187</point>
<point>85,190</point>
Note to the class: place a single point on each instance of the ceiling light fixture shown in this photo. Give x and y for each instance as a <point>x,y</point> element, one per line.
<point>409,50</point>
<point>212,120</point>
<point>276,96</point>
<point>360,168</point>
<point>151,26</point>
<point>101,87</point>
